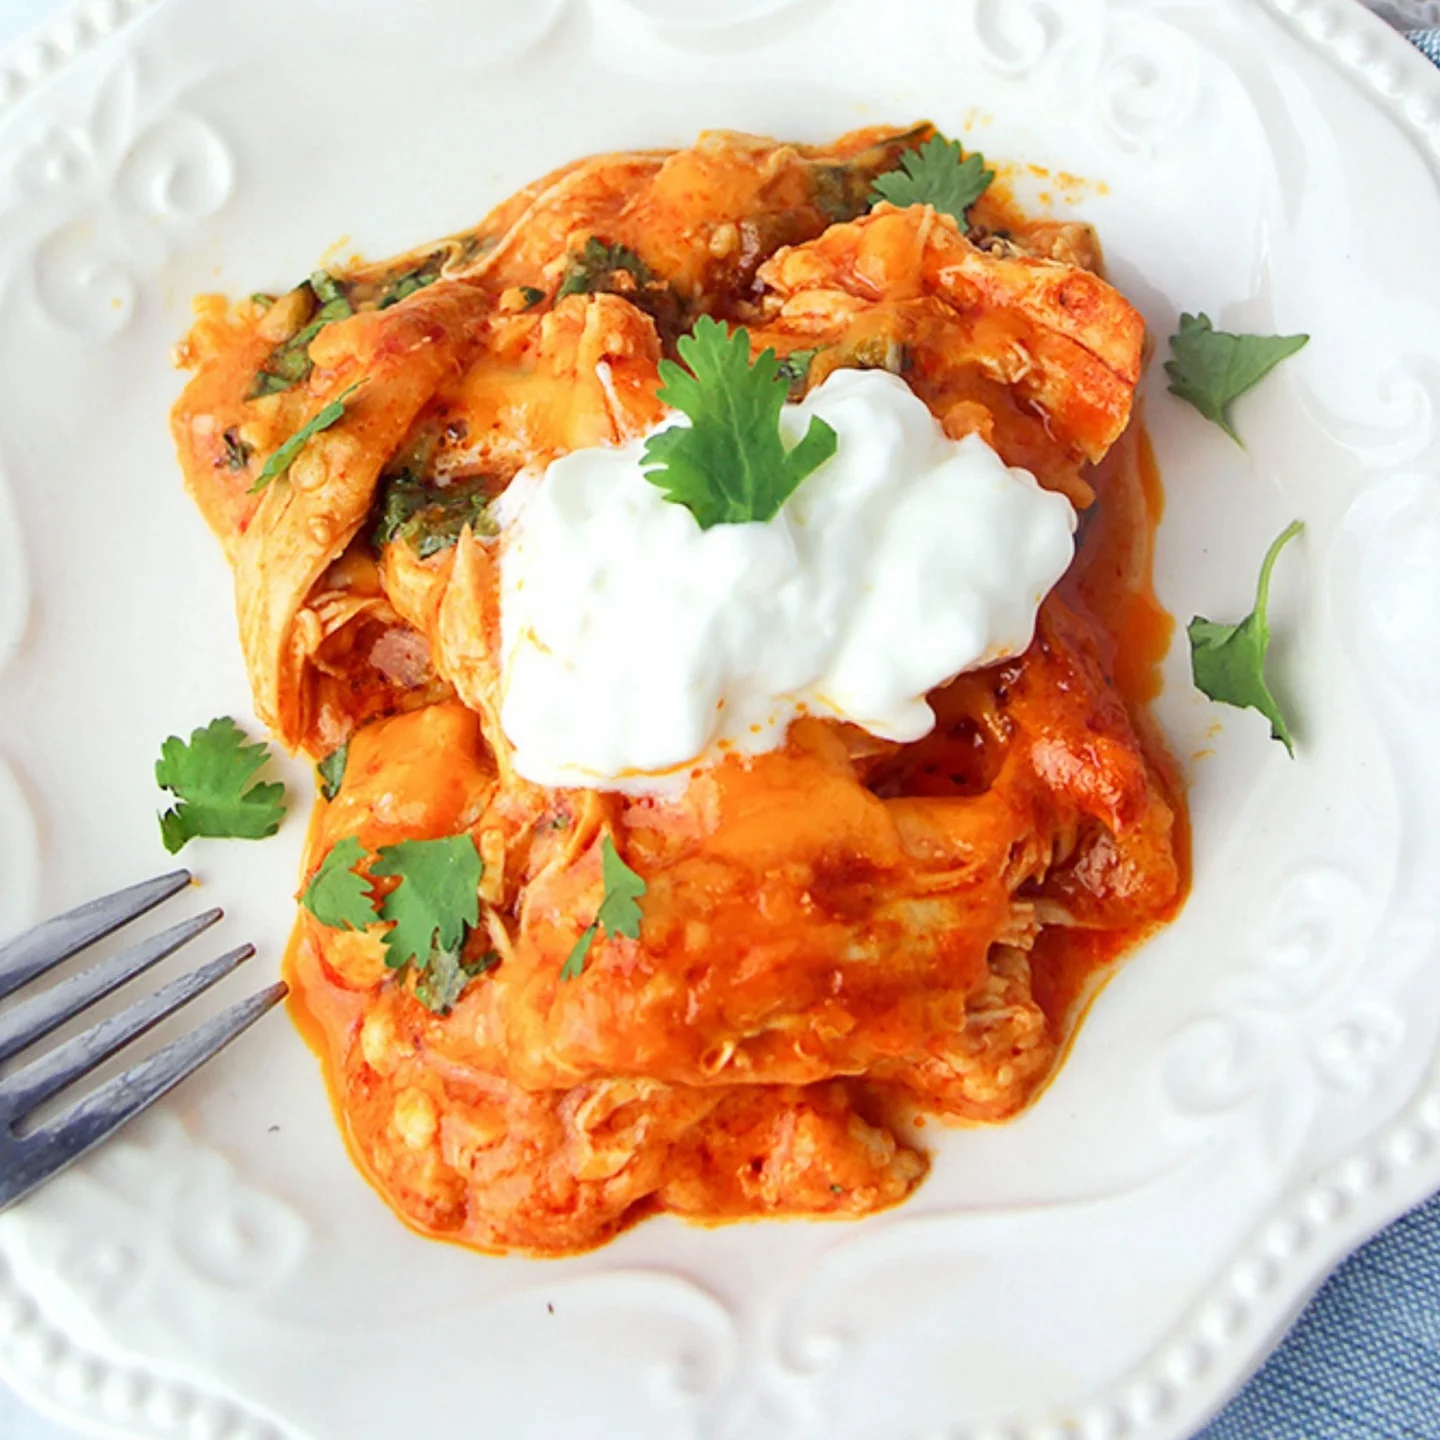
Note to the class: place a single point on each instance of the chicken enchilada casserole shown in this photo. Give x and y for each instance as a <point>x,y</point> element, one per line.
<point>715,591</point>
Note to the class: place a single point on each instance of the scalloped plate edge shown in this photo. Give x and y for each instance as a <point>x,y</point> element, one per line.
<point>1190,1374</point>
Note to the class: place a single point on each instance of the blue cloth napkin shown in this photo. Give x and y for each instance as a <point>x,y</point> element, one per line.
<point>1428,41</point>
<point>1363,1361</point>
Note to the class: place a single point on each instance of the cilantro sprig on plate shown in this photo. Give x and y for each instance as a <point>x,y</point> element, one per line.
<point>1228,661</point>
<point>731,463</point>
<point>619,912</point>
<point>210,776</point>
<point>1211,368</point>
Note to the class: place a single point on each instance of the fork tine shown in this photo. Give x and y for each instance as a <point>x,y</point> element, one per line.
<point>35,951</point>
<point>35,1018</point>
<point>52,1147</point>
<point>36,1082</point>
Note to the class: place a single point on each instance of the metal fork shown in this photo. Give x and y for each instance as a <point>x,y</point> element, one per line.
<point>31,1155</point>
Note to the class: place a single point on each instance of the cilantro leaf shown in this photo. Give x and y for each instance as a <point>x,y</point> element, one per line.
<point>575,961</point>
<point>436,901</point>
<point>289,363</point>
<point>445,978</point>
<point>730,464</point>
<point>209,775</point>
<point>1211,368</point>
<point>1228,661</point>
<point>531,296</point>
<point>284,457</point>
<point>939,173</point>
<point>619,914</point>
<point>331,771</point>
<point>336,896</point>
<point>434,908</point>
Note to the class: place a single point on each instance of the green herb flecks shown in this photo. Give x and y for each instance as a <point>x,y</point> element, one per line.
<point>598,267</point>
<point>408,282</point>
<point>841,190</point>
<point>237,451</point>
<point>322,420</point>
<point>875,352</point>
<point>603,268</point>
<point>432,910</point>
<point>794,370</point>
<point>444,979</point>
<point>574,965</point>
<point>474,245</point>
<point>289,363</point>
<point>428,517</point>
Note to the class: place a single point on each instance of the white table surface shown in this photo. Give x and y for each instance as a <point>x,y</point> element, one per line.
<point>17,1420</point>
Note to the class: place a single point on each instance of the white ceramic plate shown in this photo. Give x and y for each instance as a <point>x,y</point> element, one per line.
<point>1253,1094</point>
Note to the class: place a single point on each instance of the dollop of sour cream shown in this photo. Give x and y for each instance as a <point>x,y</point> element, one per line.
<point>636,645</point>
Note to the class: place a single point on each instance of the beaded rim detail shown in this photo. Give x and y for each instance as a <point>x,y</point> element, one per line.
<point>1253,1300</point>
